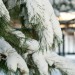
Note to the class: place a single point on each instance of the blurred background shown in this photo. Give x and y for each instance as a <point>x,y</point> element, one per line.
<point>65,12</point>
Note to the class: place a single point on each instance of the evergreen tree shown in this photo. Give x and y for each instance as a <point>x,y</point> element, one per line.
<point>29,50</point>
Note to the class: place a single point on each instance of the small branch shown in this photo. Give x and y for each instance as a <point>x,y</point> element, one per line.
<point>62,63</point>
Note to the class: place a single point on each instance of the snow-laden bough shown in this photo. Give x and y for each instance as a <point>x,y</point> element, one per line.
<point>4,12</point>
<point>41,14</point>
<point>38,58</point>
<point>14,60</point>
<point>48,58</point>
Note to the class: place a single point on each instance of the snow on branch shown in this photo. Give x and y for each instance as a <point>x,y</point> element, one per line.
<point>3,11</point>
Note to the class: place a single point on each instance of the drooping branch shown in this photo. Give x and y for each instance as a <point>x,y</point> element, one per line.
<point>3,11</point>
<point>17,40</point>
<point>63,64</point>
<point>13,59</point>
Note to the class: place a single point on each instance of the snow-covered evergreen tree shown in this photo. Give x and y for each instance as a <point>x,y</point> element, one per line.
<point>30,50</point>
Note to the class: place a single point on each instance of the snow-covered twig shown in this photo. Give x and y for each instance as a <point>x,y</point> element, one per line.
<point>3,11</point>
<point>62,63</point>
<point>14,60</point>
